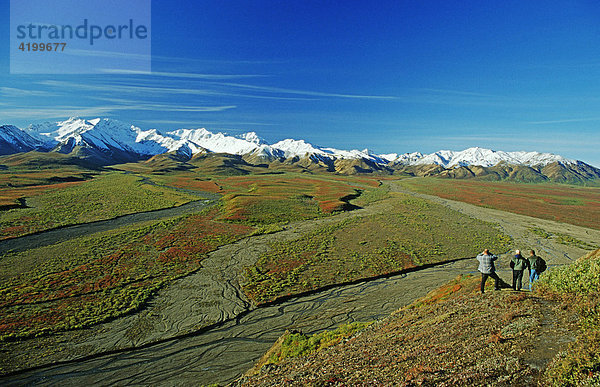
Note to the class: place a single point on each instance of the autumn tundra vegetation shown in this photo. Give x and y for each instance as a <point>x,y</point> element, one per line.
<point>80,282</point>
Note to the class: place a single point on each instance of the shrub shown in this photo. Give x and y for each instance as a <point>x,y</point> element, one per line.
<point>298,344</point>
<point>578,287</point>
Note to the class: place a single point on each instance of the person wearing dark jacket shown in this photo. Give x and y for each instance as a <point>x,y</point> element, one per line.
<point>487,269</point>
<point>518,263</point>
<point>535,264</point>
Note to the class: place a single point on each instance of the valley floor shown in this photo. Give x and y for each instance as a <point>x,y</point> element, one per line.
<point>213,297</point>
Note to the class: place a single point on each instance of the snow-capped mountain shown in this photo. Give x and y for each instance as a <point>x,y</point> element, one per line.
<point>107,134</point>
<point>14,140</point>
<point>481,157</point>
<point>103,134</point>
<point>301,148</point>
<point>112,141</point>
<point>221,143</point>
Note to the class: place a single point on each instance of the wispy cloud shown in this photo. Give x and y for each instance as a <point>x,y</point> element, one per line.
<point>162,59</point>
<point>196,124</point>
<point>564,121</point>
<point>14,92</point>
<point>440,96</point>
<point>193,61</point>
<point>167,59</point>
<point>109,54</point>
<point>271,89</point>
<point>111,88</point>
<point>457,92</point>
<point>67,111</point>
<point>127,104</point>
<point>145,90</point>
<point>214,81</point>
<point>37,113</point>
<point>180,75</point>
<point>177,108</point>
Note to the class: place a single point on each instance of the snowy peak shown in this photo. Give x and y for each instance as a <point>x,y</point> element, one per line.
<point>14,140</point>
<point>103,134</point>
<point>116,140</point>
<point>222,143</point>
<point>301,148</point>
<point>481,157</point>
<point>14,135</point>
<point>108,135</point>
<point>389,157</point>
<point>407,158</point>
<point>253,138</point>
<point>62,130</point>
<point>298,148</point>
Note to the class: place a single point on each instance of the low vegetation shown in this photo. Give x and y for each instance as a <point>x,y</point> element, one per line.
<point>564,203</point>
<point>413,232</point>
<point>266,199</point>
<point>371,195</point>
<point>39,169</point>
<point>88,280</point>
<point>85,281</point>
<point>453,336</point>
<point>296,344</point>
<point>104,197</point>
<point>562,238</point>
<point>456,336</point>
<point>577,287</point>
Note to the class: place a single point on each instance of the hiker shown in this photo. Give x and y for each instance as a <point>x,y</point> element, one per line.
<point>518,264</point>
<point>536,266</point>
<point>487,269</point>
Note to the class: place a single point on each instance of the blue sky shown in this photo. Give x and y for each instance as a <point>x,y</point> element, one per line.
<point>397,76</point>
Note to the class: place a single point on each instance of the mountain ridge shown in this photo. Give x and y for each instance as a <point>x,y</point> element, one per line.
<point>113,141</point>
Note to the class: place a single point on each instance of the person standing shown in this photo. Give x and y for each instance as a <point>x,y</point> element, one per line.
<point>518,264</point>
<point>536,266</point>
<point>487,269</point>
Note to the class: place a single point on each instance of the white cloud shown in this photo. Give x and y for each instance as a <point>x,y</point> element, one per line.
<point>53,112</point>
<point>109,54</point>
<point>13,92</point>
<point>269,89</point>
<point>457,92</point>
<point>143,90</point>
<point>68,111</point>
<point>180,75</point>
<point>195,124</point>
<point>166,59</point>
<point>564,121</point>
<point>305,92</point>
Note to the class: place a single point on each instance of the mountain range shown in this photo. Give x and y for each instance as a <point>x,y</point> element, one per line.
<point>107,141</point>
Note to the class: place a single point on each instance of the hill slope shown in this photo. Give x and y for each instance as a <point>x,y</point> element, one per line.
<point>455,336</point>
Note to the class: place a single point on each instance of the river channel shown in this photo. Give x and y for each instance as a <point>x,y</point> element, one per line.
<point>203,330</point>
<point>222,354</point>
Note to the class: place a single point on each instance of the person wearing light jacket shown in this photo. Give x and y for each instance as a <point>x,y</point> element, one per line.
<point>487,269</point>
